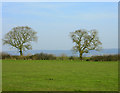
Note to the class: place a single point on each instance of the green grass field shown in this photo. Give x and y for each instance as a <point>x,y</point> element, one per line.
<point>53,75</point>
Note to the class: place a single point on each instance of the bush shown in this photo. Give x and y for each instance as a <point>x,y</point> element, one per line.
<point>20,57</point>
<point>71,58</point>
<point>74,58</point>
<point>105,58</point>
<point>5,56</point>
<point>43,56</point>
<point>87,59</point>
<point>63,57</point>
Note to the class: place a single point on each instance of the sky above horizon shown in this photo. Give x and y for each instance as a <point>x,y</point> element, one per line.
<point>53,22</point>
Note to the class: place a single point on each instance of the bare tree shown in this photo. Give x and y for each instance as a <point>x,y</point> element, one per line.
<point>20,37</point>
<point>85,40</point>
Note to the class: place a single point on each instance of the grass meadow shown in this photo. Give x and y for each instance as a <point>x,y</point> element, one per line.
<point>56,75</point>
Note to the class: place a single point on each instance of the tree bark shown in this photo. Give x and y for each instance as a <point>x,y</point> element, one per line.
<point>21,53</point>
<point>80,56</point>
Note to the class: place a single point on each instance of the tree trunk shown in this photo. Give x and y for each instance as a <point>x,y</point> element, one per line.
<point>80,56</point>
<point>21,53</point>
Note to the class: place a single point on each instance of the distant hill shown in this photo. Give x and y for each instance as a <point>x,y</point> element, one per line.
<point>67,52</point>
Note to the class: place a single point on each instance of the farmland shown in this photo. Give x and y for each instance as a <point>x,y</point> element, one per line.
<point>58,75</point>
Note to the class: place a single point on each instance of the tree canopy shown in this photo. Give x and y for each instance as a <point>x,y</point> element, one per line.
<point>20,37</point>
<point>85,40</point>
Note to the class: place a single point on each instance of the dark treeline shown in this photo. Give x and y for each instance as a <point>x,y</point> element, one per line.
<point>105,58</point>
<point>44,56</point>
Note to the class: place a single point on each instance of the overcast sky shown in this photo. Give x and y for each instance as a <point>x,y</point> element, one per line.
<point>54,21</point>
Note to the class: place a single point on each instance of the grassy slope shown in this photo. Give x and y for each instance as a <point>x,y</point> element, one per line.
<point>25,75</point>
